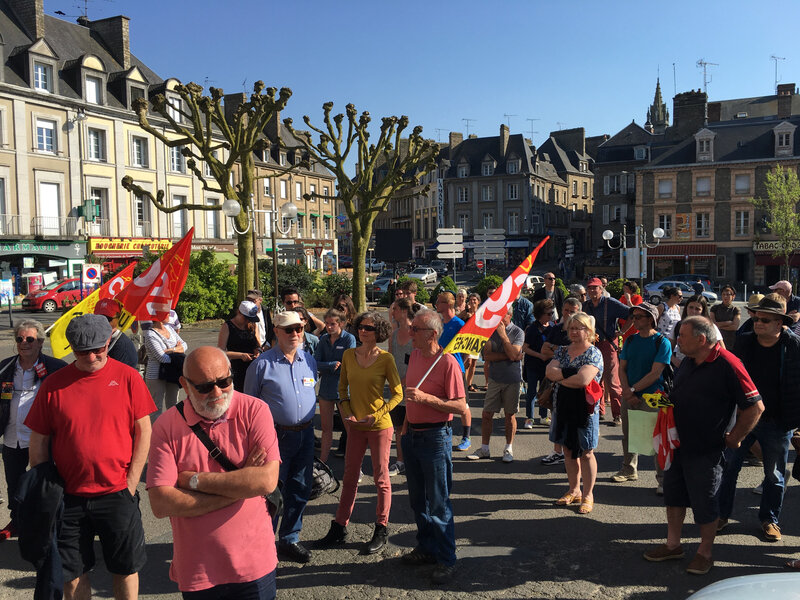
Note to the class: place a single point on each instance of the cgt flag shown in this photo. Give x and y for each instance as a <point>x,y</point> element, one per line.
<point>153,293</point>
<point>475,332</point>
<point>58,338</point>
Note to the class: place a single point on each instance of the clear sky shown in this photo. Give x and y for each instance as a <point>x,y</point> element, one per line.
<point>567,64</point>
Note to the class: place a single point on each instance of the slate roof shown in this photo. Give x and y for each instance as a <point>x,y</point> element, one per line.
<point>619,147</point>
<point>564,161</point>
<point>764,107</point>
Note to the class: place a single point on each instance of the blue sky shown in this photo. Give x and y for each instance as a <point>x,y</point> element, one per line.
<point>567,64</point>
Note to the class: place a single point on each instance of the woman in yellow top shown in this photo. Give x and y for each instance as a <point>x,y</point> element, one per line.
<point>364,371</point>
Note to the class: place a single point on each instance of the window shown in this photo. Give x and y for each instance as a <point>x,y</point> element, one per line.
<point>177,161</point>
<point>487,169</point>
<point>665,222</point>
<point>703,146</point>
<point>488,220</point>
<point>513,222</point>
<point>584,167</point>
<point>283,189</point>
<point>282,159</point>
<point>512,167</point>
<point>139,153</point>
<point>312,192</point>
<point>487,193</point>
<point>639,153</point>
<point>665,188</point>
<point>463,194</point>
<point>178,217</point>
<point>574,188</point>
<point>98,197</point>
<point>702,224</point>
<point>141,213</point>
<point>463,170</point>
<point>135,94</point>
<point>463,221</point>
<point>619,213</point>
<point>585,190</point>
<point>96,144</point>
<point>314,227</point>
<point>174,106</point>
<point>298,191</point>
<point>49,208</point>
<point>93,88</point>
<point>267,188</point>
<point>742,222</point>
<point>742,184</point>
<point>42,77</point>
<point>702,186</point>
<point>513,191</point>
<point>326,194</point>
<point>613,186</point>
<point>212,220</point>
<point>45,135</point>
<point>4,224</point>
<point>784,139</point>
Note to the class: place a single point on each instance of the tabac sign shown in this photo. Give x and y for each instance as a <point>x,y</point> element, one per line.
<point>126,246</point>
<point>774,246</point>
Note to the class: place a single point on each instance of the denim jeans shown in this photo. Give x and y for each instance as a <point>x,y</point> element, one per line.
<point>429,473</point>
<point>260,589</point>
<point>774,441</point>
<point>15,463</point>
<point>533,385</point>
<point>296,477</point>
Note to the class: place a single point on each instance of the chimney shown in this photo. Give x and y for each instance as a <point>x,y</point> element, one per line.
<point>114,31</point>
<point>714,112</point>
<point>503,140</point>
<point>455,139</point>
<point>231,102</point>
<point>571,139</point>
<point>30,14</point>
<point>785,93</point>
<point>688,114</point>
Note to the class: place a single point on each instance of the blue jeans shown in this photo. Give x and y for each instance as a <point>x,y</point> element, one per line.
<point>260,589</point>
<point>774,441</point>
<point>429,473</point>
<point>296,477</point>
<point>533,384</point>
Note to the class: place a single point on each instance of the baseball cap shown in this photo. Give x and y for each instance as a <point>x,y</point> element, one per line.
<point>108,307</point>
<point>782,285</point>
<point>249,310</point>
<point>287,318</point>
<point>88,332</point>
<point>594,281</point>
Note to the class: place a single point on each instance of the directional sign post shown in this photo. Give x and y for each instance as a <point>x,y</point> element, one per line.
<point>450,245</point>
<point>490,244</point>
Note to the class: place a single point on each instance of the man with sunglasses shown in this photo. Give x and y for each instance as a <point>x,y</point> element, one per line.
<point>285,377</point>
<point>94,417</point>
<point>550,292</point>
<point>290,296</point>
<point>223,542</point>
<point>771,355</point>
<point>21,376</point>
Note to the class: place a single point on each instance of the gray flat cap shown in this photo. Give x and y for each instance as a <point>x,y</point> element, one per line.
<point>88,332</point>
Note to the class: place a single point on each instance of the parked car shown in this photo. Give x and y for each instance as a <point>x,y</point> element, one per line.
<point>424,274</point>
<point>765,585</point>
<point>345,261</point>
<point>379,287</point>
<point>690,278</point>
<point>654,292</point>
<point>52,296</point>
<point>534,282</point>
<point>440,267</point>
<point>373,264</point>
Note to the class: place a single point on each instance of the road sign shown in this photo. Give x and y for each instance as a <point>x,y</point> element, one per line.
<point>91,273</point>
<point>450,248</point>
<point>449,255</point>
<point>479,264</point>
<point>450,236</point>
<point>318,251</point>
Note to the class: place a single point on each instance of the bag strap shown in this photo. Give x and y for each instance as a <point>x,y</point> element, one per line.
<point>213,450</point>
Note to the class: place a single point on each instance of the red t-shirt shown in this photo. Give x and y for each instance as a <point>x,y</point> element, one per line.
<point>90,418</point>
<point>445,381</point>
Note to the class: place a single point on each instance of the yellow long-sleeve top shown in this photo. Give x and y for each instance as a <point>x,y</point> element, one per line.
<point>361,390</point>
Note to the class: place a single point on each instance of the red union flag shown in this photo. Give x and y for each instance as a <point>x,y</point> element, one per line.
<point>475,332</point>
<point>152,294</point>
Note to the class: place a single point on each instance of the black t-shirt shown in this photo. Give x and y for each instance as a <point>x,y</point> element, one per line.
<point>535,336</point>
<point>124,350</point>
<point>558,336</point>
<point>764,367</point>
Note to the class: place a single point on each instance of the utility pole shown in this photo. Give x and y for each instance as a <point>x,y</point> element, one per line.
<point>467,122</point>
<point>776,59</point>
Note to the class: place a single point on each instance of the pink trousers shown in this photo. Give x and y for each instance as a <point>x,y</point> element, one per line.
<point>380,444</point>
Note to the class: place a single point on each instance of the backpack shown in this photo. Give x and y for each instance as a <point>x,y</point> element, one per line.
<point>325,481</point>
<point>668,374</point>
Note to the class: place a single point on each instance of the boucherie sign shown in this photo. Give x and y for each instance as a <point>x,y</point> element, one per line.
<point>127,246</point>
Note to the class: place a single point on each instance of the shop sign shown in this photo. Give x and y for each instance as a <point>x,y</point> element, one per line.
<point>774,246</point>
<point>62,249</point>
<point>132,245</point>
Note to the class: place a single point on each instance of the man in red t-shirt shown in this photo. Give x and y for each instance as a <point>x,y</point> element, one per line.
<point>94,414</point>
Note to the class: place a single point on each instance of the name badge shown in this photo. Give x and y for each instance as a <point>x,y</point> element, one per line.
<point>7,391</point>
<point>308,381</point>
<point>41,370</point>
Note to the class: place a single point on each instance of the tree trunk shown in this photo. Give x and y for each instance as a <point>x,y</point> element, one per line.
<point>243,223</point>
<point>360,244</point>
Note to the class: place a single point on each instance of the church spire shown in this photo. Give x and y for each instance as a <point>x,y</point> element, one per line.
<point>657,114</point>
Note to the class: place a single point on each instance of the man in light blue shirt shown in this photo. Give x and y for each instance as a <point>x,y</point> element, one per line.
<point>284,377</point>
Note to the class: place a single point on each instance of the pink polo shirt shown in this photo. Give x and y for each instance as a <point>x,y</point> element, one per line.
<point>234,544</point>
<point>445,381</point>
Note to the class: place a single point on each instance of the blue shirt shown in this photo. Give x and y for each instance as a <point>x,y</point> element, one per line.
<point>522,313</point>
<point>640,354</point>
<point>606,314</point>
<point>449,331</point>
<point>326,355</point>
<point>286,387</point>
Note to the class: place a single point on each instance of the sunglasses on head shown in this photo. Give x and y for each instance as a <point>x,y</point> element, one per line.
<point>30,339</point>
<point>293,329</point>
<point>88,352</point>
<point>367,328</point>
<point>205,388</point>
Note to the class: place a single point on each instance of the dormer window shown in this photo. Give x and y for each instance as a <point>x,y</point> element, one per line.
<point>487,168</point>
<point>463,170</point>
<point>174,106</point>
<point>93,90</point>
<point>639,153</point>
<point>512,167</point>
<point>784,139</point>
<point>43,77</point>
<point>705,145</point>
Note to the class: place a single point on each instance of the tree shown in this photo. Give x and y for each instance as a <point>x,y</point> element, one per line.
<point>203,129</point>
<point>780,206</point>
<point>384,168</point>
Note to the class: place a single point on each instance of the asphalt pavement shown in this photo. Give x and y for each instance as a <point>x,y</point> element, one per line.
<point>512,541</point>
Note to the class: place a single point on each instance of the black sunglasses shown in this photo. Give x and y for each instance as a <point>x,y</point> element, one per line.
<point>88,352</point>
<point>367,327</point>
<point>764,320</point>
<point>293,329</point>
<point>205,388</point>
<point>30,339</point>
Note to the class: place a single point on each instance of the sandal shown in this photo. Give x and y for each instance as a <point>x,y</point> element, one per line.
<point>568,498</point>
<point>587,504</point>
<point>793,564</point>
<point>472,388</point>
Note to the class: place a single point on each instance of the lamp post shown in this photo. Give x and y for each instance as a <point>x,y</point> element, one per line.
<point>608,235</point>
<point>641,244</point>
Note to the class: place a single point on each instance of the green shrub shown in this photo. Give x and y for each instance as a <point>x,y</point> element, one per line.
<point>615,288</point>
<point>446,283</point>
<point>325,288</point>
<point>210,290</point>
<point>297,276</point>
<point>486,283</point>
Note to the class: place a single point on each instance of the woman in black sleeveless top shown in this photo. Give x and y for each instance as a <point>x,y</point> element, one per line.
<point>238,337</point>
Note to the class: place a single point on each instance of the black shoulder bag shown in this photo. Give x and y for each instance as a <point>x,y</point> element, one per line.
<point>668,374</point>
<point>274,499</point>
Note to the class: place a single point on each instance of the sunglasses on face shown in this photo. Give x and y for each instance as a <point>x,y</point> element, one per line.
<point>88,352</point>
<point>290,302</point>
<point>415,329</point>
<point>293,329</point>
<point>208,386</point>
<point>550,278</point>
<point>764,320</point>
<point>30,339</point>
<point>367,328</point>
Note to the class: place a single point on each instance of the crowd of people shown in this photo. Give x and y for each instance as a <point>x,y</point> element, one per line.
<point>245,429</point>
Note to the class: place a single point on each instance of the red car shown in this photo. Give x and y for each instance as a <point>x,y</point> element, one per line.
<point>52,296</point>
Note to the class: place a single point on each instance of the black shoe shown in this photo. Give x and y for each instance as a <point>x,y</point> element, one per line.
<point>336,536</point>
<point>296,552</point>
<point>418,557</point>
<point>443,574</point>
<point>378,540</point>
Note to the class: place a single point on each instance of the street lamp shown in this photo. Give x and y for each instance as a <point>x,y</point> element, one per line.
<point>641,244</point>
<point>232,208</point>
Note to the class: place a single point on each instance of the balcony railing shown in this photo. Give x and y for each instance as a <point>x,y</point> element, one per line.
<point>54,226</point>
<point>100,227</point>
<point>142,229</point>
<point>9,225</point>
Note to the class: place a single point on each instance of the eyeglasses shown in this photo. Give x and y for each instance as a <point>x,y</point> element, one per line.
<point>88,352</point>
<point>205,388</point>
<point>30,339</point>
<point>765,320</point>
<point>291,302</point>
<point>550,278</point>
<point>367,328</point>
<point>293,329</point>
<point>416,329</point>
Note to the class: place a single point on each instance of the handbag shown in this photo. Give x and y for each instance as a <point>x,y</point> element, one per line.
<point>544,397</point>
<point>171,372</point>
<point>325,481</point>
<point>274,499</point>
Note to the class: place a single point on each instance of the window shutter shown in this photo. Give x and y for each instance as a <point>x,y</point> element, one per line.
<point>623,183</point>
<point>605,209</point>
<point>623,213</point>
<point>606,186</point>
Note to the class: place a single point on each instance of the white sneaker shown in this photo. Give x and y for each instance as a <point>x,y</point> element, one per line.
<point>508,456</point>
<point>528,424</point>
<point>554,458</point>
<point>397,468</point>
<point>479,454</point>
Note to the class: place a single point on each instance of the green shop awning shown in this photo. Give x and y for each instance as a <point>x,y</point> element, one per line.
<point>228,258</point>
<point>327,216</point>
<point>301,214</point>
<point>314,214</point>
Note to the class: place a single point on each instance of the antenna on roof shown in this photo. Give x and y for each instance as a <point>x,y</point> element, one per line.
<point>508,119</point>
<point>674,81</point>
<point>467,122</point>
<point>206,81</point>
<point>531,122</point>
<point>244,85</point>
<point>776,59</point>
<point>704,64</point>
<point>439,134</point>
<point>560,125</point>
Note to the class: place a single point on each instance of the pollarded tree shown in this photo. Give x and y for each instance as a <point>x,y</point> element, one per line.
<point>384,168</point>
<point>781,208</point>
<point>206,134</point>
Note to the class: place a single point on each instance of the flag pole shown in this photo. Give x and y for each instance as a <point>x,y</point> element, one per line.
<point>428,372</point>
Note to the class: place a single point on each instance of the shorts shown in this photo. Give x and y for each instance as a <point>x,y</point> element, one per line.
<point>693,480</point>
<point>116,519</point>
<point>398,414</point>
<point>502,395</point>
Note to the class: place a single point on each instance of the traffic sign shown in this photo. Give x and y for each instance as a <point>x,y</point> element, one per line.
<point>479,264</point>
<point>450,248</point>
<point>318,251</point>
<point>449,255</point>
<point>91,273</point>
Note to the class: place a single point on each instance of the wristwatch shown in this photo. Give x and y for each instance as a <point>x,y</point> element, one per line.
<point>633,390</point>
<point>194,481</point>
